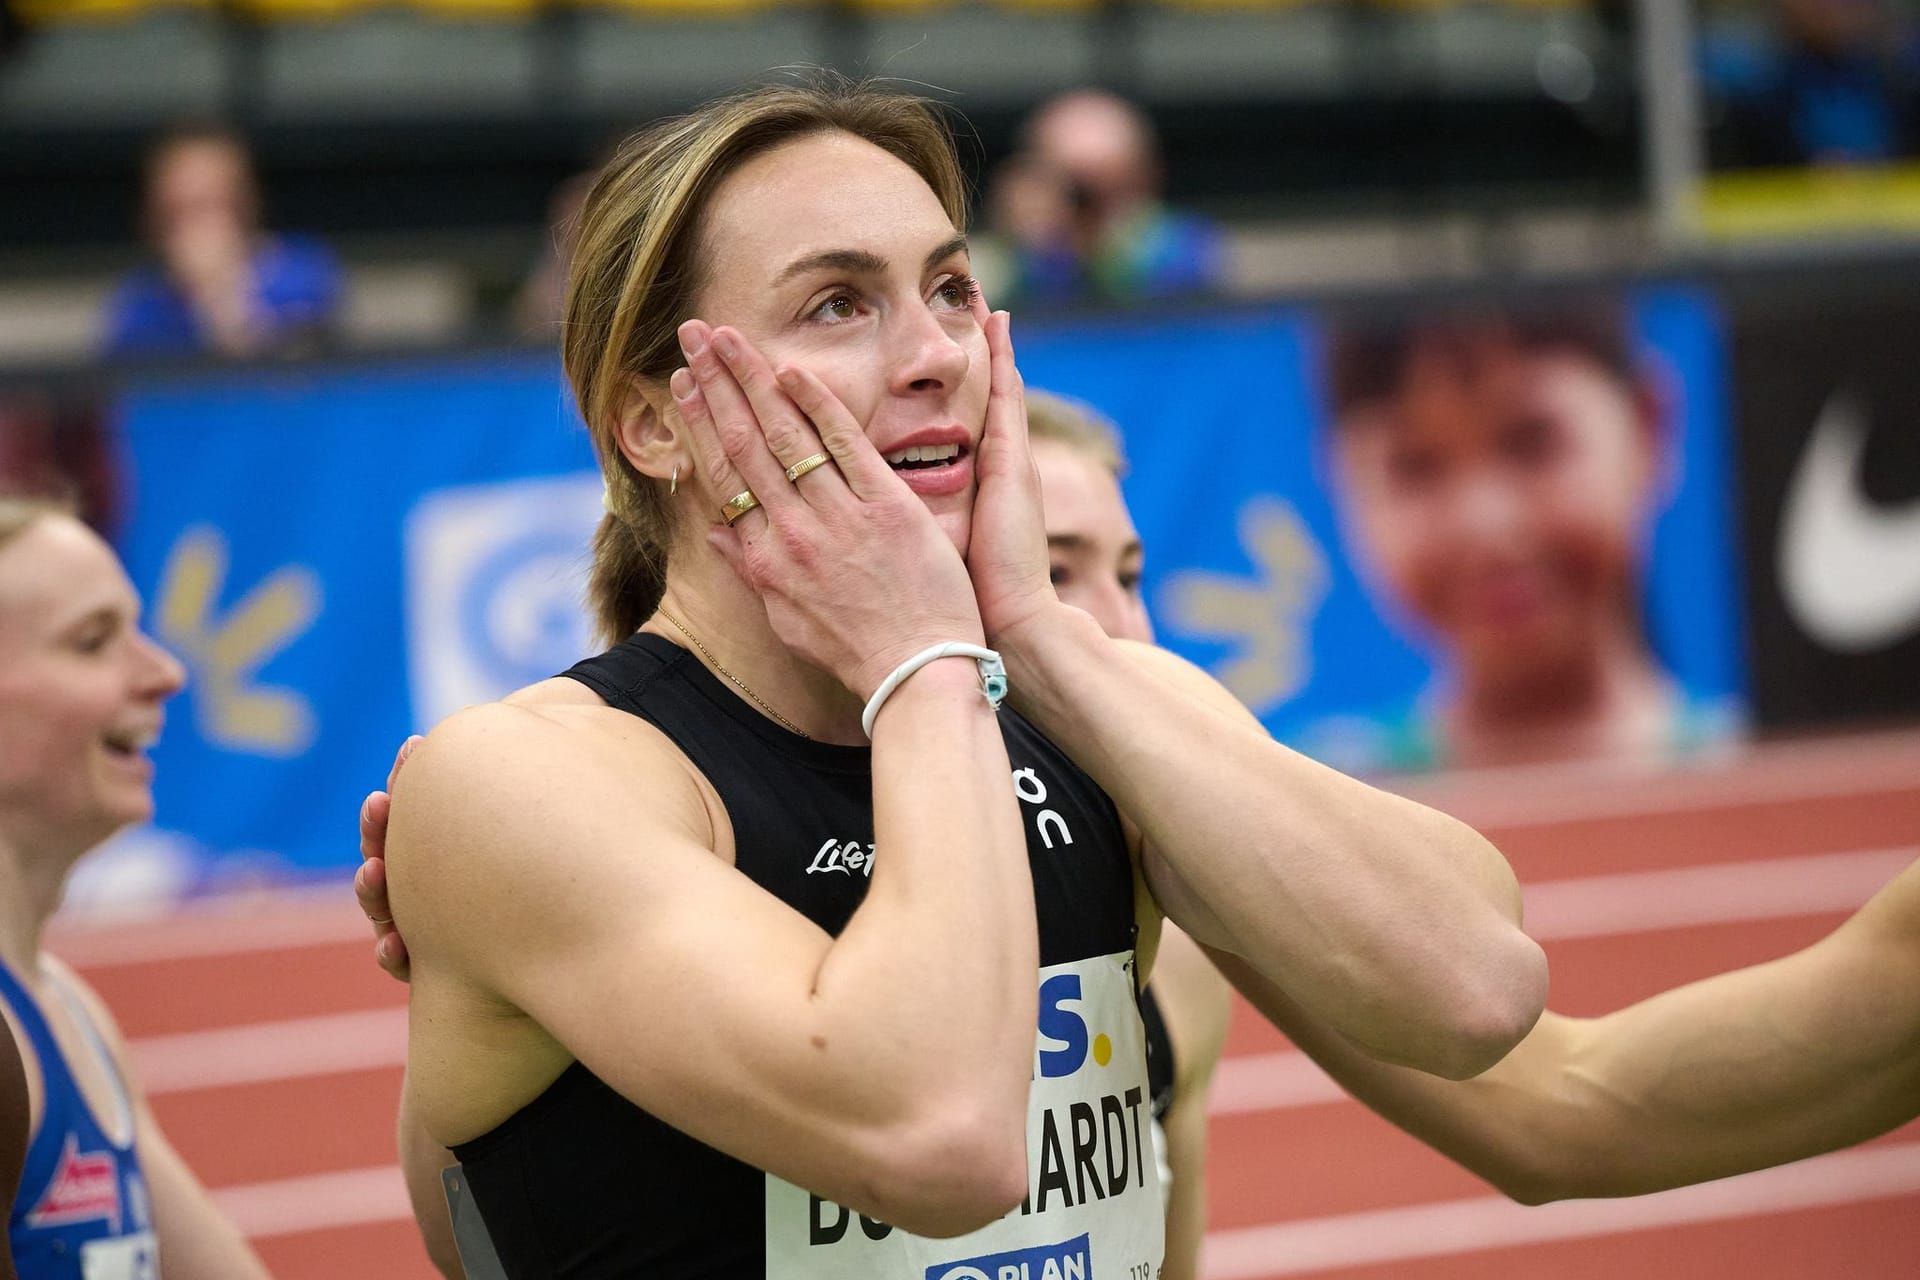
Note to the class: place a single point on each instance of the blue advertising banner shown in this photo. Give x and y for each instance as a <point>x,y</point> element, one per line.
<point>341,557</point>
<point>1559,497</point>
<point>344,556</point>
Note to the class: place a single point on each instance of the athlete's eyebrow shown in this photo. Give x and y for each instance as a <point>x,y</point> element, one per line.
<point>861,261</point>
<point>857,261</point>
<point>1081,542</point>
<point>956,245</point>
<point>109,616</point>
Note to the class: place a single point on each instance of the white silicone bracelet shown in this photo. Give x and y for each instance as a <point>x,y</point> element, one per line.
<point>993,676</point>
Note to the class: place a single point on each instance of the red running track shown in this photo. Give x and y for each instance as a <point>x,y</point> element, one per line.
<point>272,1047</point>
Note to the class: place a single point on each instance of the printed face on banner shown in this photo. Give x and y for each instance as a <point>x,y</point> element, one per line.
<point>1494,487</point>
<point>1492,534</point>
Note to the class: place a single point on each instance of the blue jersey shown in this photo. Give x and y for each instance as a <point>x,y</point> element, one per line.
<point>297,287</point>
<point>82,1212</point>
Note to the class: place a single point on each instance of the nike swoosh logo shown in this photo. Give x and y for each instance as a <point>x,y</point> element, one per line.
<point>1849,568</point>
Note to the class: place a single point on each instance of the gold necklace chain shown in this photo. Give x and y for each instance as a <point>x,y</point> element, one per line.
<point>740,684</point>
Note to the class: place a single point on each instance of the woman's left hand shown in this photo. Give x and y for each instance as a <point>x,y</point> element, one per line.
<point>1007,549</point>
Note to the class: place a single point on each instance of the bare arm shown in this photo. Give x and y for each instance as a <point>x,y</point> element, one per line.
<point>197,1241</point>
<point>421,1160</point>
<point>1394,923</point>
<point>1741,1071</point>
<point>886,1069</point>
<point>1194,1004</point>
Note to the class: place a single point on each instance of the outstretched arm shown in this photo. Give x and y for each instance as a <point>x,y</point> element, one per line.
<point>1741,1071</point>
<point>1395,923</point>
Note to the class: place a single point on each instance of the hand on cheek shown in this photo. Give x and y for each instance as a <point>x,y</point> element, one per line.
<point>854,573</point>
<point>1007,554</point>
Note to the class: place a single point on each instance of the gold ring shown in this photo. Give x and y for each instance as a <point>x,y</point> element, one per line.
<point>376,920</point>
<point>738,505</point>
<point>805,465</point>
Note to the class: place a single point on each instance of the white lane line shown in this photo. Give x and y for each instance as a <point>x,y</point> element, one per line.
<point>285,1050</point>
<point>267,921</point>
<point>364,1197</point>
<point>1522,796</point>
<point>1596,906</point>
<point>347,1198</point>
<point>1493,1222</point>
<point>1269,1082</point>
<point>1684,897</point>
<point>1549,794</point>
<point>308,917</point>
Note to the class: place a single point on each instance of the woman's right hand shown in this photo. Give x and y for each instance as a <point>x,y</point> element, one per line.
<point>370,880</point>
<point>856,574</point>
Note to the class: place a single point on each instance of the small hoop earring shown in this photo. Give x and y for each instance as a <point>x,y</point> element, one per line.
<point>673,484</point>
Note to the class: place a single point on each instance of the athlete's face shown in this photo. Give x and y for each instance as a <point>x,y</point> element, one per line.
<point>81,689</point>
<point>832,255</point>
<point>1092,545</point>
<point>1501,499</point>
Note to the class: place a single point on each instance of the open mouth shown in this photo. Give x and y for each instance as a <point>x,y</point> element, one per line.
<point>926,457</point>
<point>129,744</point>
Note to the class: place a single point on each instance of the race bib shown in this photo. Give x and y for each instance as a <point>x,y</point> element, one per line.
<point>135,1257</point>
<point>1093,1208</point>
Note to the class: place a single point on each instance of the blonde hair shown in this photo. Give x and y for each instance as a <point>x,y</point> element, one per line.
<point>18,513</point>
<point>641,261</point>
<point>1077,425</point>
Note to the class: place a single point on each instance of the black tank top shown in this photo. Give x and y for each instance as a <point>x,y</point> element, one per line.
<point>583,1183</point>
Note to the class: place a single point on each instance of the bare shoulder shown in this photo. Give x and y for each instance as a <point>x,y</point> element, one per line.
<point>556,691</point>
<point>513,761</point>
<point>70,978</point>
<point>96,1009</point>
<point>509,805</point>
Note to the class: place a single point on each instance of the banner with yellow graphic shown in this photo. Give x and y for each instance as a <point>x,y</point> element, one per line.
<point>1350,519</point>
<point>341,556</point>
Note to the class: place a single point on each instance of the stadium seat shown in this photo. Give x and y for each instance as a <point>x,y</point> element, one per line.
<point>983,53</point>
<point>374,61</point>
<point>634,59</point>
<point>131,64</point>
<point>1210,50</point>
<point>645,10</point>
<point>1473,48</point>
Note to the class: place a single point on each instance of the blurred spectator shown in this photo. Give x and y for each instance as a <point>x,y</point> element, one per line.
<point>1498,472</point>
<point>222,284</point>
<point>1080,207</point>
<point>1834,82</point>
